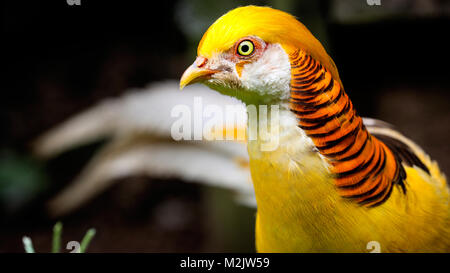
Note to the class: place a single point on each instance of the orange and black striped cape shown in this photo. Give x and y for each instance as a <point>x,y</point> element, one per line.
<point>366,166</point>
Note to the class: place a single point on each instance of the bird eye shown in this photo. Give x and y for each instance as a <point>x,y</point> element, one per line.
<point>245,48</point>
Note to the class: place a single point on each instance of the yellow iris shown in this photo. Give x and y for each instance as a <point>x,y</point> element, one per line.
<point>245,48</point>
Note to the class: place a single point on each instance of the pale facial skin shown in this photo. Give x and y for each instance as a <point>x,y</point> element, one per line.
<point>252,70</point>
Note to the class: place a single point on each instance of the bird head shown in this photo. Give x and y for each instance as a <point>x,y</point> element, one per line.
<point>246,54</point>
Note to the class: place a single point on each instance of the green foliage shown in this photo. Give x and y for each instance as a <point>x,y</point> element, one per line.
<point>56,243</point>
<point>86,240</point>
<point>21,179</point>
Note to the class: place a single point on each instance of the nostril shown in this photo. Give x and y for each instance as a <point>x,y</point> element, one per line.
<point>200,61</point>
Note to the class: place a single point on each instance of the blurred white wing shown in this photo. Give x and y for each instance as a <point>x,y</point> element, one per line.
<point>192,162</point>
<point>139,124</point>
<point>138,111</point>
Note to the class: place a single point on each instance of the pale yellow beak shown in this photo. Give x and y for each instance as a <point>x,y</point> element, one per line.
<point>196,72</point>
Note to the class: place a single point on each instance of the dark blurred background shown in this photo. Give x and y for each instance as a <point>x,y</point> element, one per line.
<point>60,59</point>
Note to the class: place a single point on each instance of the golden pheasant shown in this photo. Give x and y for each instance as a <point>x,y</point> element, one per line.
<point>336,181</point>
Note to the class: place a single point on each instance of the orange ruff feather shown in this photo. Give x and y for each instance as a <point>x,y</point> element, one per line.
<point>365,168</point>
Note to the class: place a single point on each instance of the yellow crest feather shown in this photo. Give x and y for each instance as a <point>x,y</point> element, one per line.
<point>271,25</point>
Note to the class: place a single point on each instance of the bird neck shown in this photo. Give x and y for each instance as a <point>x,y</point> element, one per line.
<point>363,166</point>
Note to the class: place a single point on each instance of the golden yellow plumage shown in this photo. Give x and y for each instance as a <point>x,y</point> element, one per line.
<point>259,21</point>
<point>299,209</point>
<point>331,185</point>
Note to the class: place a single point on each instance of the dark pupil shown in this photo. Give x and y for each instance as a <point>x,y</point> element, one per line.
<point>245,48</point>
